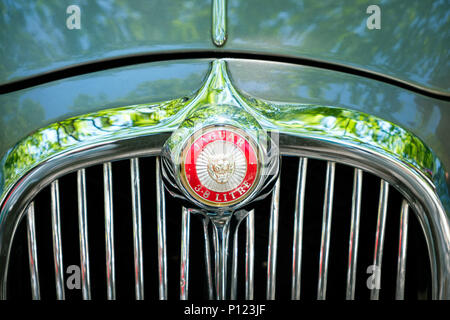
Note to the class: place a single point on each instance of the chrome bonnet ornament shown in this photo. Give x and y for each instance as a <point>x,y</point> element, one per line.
<point>220,158</point>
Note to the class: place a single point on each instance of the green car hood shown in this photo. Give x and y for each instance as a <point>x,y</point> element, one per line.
<point>412,45</point>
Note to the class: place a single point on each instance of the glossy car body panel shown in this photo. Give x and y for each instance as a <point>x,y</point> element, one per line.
<point>332,31</point>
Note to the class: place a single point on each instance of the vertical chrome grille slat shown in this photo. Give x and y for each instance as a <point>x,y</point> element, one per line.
<point>354,234</point>
<point>326,231</point>
<point>205,222</point>
<point>298,229</point>
<point>56,235</point>
<point>82,229</point>
<point>273,243</point>
<point>184,255</point>
<point>250,256</point>
<point>403,240</point>
<point>234,267</point>
<point>161,230</point>
<point>137,229</point>
<point>379,237</point>
<point>109,232</point>
<point>221,240</point>
<point>32,253</point>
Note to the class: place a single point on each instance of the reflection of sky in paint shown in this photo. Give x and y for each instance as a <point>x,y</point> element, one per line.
<point>413,43</point>
<point>408,100</point>
<point>113,85</point>
<point>324,87</point>
<point>39,40</point>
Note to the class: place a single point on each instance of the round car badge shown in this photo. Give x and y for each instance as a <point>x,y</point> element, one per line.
<point>220,166</point>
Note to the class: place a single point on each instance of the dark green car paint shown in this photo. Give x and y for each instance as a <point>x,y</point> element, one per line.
<point>412,44</point>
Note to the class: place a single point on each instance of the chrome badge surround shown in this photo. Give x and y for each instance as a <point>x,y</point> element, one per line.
<point>175,151</point>
<point>224,178</point>
<point>218,106</point>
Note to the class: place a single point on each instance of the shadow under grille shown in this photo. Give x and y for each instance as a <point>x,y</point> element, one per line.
<point>134,258</point>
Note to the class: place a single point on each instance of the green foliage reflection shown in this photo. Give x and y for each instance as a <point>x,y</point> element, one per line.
<point>75,132</point>
<point>349,125</point>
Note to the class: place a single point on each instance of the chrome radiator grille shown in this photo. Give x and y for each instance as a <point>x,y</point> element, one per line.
<point>323,235</point>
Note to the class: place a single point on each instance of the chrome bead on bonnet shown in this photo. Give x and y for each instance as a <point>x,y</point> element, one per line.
<point>220,158</point>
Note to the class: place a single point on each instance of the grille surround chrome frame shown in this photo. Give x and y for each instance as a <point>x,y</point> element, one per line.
<point>374,145</point>
<point>418,192</point>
